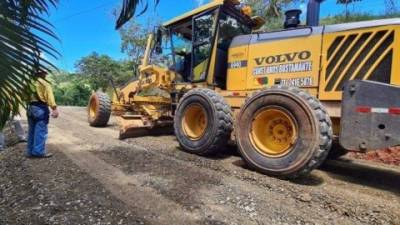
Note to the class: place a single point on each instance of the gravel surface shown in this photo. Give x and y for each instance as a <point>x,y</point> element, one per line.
<point>55,191</point>
<point>94,178</point>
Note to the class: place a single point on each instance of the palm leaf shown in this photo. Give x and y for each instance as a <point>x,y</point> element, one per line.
<point>22,45</point>
<point>129,8</point>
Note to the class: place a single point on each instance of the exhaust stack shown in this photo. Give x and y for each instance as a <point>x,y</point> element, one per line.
<point>313,9</point>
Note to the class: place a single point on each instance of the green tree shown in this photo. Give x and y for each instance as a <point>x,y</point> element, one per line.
<point>75,93</point>
<point>133,42</point>
<point>100,69</point>
<point>70,89</point>
<point>22,28</point>
<point>272,11</point>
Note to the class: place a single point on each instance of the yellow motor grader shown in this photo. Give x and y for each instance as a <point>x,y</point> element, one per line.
<point>284,97</point>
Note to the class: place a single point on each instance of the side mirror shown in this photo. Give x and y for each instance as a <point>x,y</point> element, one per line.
<point>158,47</point>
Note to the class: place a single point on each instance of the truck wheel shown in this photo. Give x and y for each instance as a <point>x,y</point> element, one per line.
<point>283,131</point>
<point>203,122</point>
<point>99,109</point>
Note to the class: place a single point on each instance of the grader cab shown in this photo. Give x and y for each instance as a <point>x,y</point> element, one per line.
<point>284,97</point>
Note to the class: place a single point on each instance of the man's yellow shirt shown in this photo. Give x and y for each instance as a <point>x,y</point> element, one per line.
<point>44,92</point>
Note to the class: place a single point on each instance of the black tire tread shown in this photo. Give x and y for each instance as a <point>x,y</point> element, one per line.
<point>224,119</point>
<point>325,128</point>
<point>104,110</point>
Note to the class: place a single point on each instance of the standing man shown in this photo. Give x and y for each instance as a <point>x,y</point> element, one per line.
<point>38,116</point>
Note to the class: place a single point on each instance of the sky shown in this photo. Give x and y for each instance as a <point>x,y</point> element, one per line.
<point>87,26</point>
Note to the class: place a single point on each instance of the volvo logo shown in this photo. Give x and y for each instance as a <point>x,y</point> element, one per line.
<point>283,58</point>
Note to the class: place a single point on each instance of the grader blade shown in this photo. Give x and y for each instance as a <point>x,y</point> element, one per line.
<point>136,126</point>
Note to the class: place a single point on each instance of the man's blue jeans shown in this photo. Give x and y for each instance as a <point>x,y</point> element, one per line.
<point>38,119</point>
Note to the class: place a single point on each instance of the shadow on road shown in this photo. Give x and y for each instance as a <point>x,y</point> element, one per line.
<point>371,176</point>
<point>223,153</point>
<point>310,180</point>
<point>344,170</point>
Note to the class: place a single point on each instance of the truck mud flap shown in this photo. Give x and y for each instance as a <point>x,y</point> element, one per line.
<point>370,116</point>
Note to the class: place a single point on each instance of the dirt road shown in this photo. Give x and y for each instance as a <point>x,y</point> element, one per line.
<point>95,178</point>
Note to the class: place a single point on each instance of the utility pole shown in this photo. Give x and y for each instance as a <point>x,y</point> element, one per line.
<point>390,7</point>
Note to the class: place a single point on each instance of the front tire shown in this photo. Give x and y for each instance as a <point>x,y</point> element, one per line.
<point>99,109</point>
<point>203,122</point>
<point>284,132</point>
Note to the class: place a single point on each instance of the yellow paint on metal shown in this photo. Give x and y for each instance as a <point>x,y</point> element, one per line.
<point>395,78</point>
<point>199,72</point>
<point>237,77</point>
<point>146,57</point>
<point>194,122</point>
<point>211,70</point>
<point>155,76</point>
<point>273,132</point>
<point>292,46</point>
<point>235,101</point>
<point>92,108</point>
<point>154,99</point>
<point>349,59</point>
<point>129,89</point>
<point>194,12</point>
<point>254,56</point>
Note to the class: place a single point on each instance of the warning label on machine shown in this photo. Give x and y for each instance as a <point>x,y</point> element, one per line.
<point>296,82</point>
<point>283,68</point>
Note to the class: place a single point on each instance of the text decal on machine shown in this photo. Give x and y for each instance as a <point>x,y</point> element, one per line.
<point>286,63</point>
<point>296,82</point>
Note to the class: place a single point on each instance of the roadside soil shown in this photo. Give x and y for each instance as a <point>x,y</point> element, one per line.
<point>94,178</point>
<point>390,156</point>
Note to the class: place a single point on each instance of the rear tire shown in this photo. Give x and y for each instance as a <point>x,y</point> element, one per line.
<point>203,122</point>
<point>99,109</point>
<point>284,131</point>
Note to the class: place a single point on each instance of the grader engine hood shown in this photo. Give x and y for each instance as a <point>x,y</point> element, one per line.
<point>359,51</point>
<point>288,57</point>
<point>321,59</point>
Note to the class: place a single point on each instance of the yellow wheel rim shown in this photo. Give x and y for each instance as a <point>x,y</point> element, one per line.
<point>273,132</point>
<point>194,122</point>
<point>92,108</point>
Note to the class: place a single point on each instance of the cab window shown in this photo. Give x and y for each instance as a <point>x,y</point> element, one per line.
<point>204,27</point>
<point>163,57</point>
<point>230,27</point>
<point>183,55</point>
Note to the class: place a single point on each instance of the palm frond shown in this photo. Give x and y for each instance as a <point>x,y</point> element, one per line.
<point>129,8</point>
<point>22,28</point>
